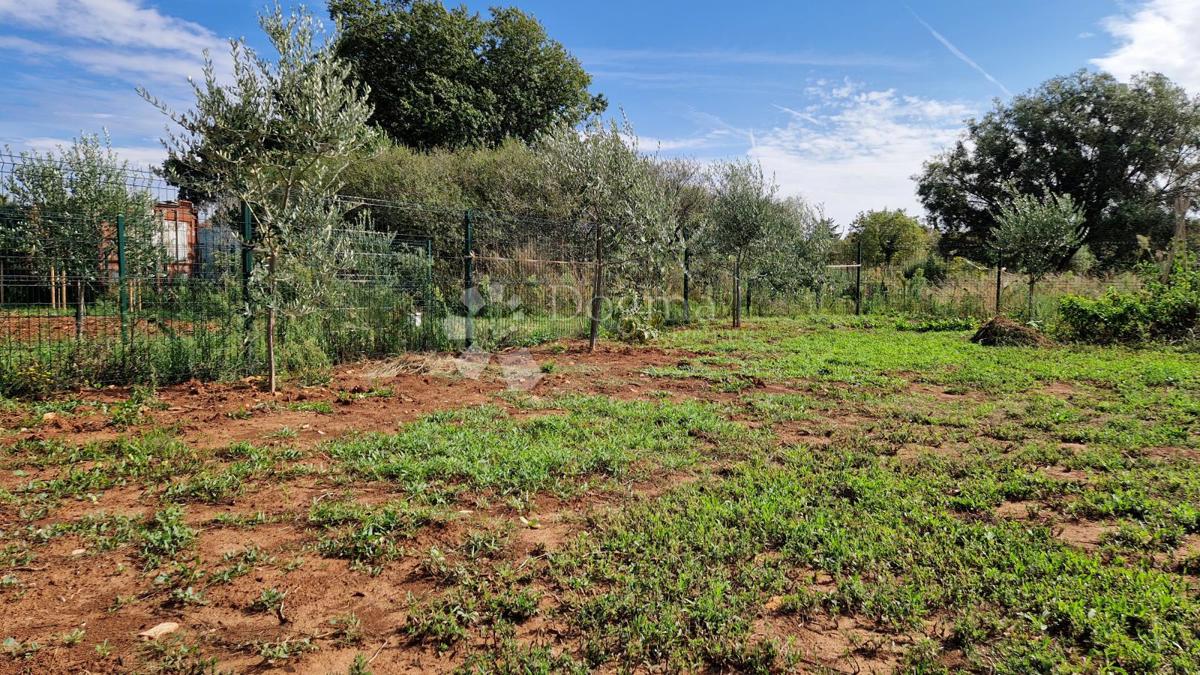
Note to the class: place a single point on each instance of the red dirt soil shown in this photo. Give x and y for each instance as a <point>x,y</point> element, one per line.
<point>71,585</point>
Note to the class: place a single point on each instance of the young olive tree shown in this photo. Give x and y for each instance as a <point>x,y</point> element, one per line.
<point>278,138</point>
<point>612,187</point>
<point>742,211</point>
<point>65,204</point>
<point>1035,234</point>
<point>792,255</point>
<point>688,202</point>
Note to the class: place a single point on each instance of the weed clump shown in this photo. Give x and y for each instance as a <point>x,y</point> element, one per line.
<point>1002,332</point>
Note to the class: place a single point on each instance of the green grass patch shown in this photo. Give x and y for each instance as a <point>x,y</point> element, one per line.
<point>681,580</point>
<point>560,449</point>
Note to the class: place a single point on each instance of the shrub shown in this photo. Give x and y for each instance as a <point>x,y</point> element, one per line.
<point>1166,310</point>
<point>1113,317</point>
<point>637,324</point>
<point>934,269</point>
<point>305,360</point>
<point>164,535</point>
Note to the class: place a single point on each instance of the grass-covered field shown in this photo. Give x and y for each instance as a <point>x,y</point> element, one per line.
<point>817,495</point>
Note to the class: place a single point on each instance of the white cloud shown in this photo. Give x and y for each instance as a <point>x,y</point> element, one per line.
<point>843,145</point>
<point>858,151</point>
<point>85,57</point>
<point>27,47</point>
<point>137,156</point>
<point>717,138</point>
<point>1159,36</point>
<point>125,24</point>
<point>115,38</point>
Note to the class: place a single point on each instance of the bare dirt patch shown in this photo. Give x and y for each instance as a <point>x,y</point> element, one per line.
<point>1063,390</point>
<point>843,644</point>
<point>216,414</point>
<point>1170,453</point>
<point>1019,510</point>
<point>1062,473</point>
<point>1085,534</point>
<point>796,433</point>
<point>944,394</point>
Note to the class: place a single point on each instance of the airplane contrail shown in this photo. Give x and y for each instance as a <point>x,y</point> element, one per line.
<point>958,53</point>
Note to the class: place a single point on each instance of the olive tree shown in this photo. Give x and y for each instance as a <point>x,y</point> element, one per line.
<point>688,201</point>
<point>741,213</point>
<point>792,255</point>
<point>64,207</point>
<point>1034,234</point>
<point>611,187</point>
<point>278,138</point>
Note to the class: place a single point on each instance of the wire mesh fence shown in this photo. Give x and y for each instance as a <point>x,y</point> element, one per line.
<point>166,294</point>
<point>130,283</point>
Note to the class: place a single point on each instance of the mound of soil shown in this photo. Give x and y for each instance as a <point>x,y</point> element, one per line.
<point>1002,332</point>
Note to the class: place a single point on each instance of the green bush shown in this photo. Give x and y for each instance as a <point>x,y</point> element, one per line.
<point>934,269</point>
<point>1163,310</point>
<point>1113,317</point>
<point>304,359</point>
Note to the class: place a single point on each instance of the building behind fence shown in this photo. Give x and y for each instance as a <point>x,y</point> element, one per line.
<point>165,295</point>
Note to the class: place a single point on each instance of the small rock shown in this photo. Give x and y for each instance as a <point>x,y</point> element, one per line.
<point>164,628</point>
<point>50,417</point>
<point>78,552</point>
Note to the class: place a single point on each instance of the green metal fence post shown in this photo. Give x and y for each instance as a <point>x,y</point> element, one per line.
<point>687,277</point>
<point>999,282</point>
<point>247,269</point>
<point>427,313</point>
<point>122,287</point>
<point>858,278</point>
<point>597,290</point>
<point>468,280</point>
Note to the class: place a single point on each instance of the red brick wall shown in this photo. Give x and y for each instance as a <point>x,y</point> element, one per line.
<point>185,212</point>
<point>181,211</point>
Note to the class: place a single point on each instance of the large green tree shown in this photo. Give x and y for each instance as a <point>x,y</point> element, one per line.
<point>1121,150</point>
<point>442,77</point>
<point>889,237</point>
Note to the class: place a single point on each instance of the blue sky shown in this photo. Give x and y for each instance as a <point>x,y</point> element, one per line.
<point>840,101</point>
